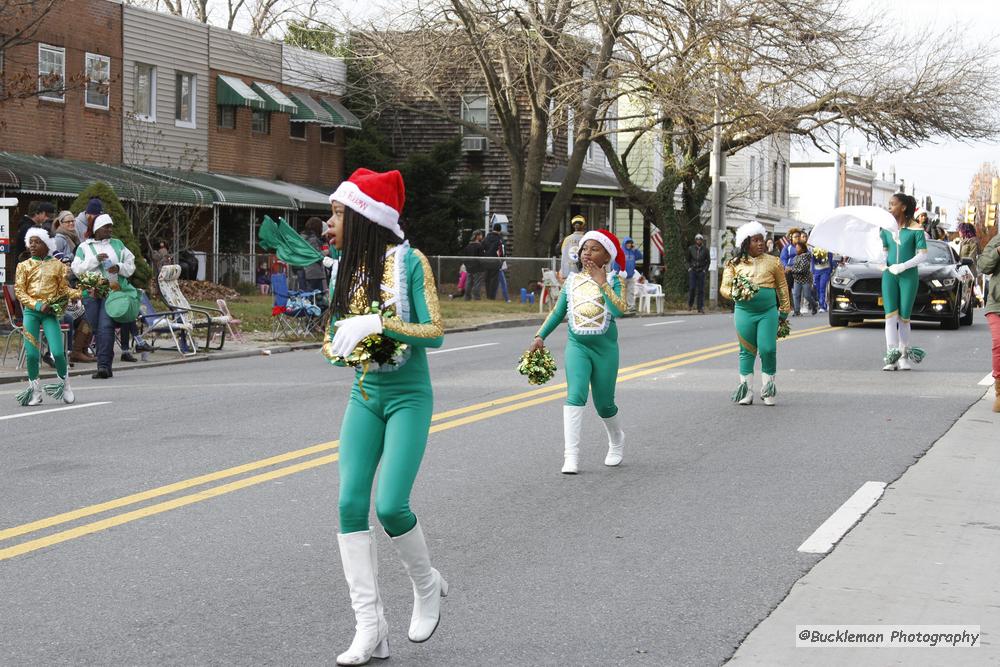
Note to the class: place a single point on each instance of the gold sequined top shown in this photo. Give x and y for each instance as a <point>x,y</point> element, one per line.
<point>764,271</point>
<point>42,280</point>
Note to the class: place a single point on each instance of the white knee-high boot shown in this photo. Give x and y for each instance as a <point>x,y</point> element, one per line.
<point>744,392</point>
<point>767,391</point>
<point>371,636</point>
<point>572,427</point>
<point>61,390</point>
<point>428,584</point>
<point>32,395</point>
<point>616,440</point>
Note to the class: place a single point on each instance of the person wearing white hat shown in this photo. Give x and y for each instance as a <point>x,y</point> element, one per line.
<point>42,287</point>
<point>756,317</point>
<point>590,301</point>
<point>384,310</point>
<point>108,256</point>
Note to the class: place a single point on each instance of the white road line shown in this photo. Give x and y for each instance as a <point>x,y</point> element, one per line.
<point>465,347</point>
<point>660,324</point>
<point>821,541</point>
<point>987,381</point>
<point>35,413</point>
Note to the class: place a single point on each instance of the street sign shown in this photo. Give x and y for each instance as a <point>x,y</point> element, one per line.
<point>4,246</point>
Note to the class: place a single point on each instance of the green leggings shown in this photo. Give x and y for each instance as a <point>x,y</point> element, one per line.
<point>899,292</point>
<point>35,321</point>
<point>592,366</point>
<point>390,428</point>
<point>757,330</point>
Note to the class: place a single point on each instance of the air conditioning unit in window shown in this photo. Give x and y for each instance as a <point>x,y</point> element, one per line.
<point>473,144</point>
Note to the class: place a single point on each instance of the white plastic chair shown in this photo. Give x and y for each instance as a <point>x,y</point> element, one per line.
<point>550,290</point>
<point>651,292</point>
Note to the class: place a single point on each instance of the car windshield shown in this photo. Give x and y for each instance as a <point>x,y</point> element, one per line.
<point>937,253</point>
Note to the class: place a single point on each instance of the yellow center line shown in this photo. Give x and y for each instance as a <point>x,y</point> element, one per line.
<point>486,411</point>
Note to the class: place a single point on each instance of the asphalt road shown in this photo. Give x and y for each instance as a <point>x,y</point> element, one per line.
<point>670,559</point>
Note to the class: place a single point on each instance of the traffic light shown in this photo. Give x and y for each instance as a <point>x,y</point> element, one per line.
<point>970,215</point>
<point>991,215</point>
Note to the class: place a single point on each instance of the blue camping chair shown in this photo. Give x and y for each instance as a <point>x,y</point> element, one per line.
<point>295,313</point>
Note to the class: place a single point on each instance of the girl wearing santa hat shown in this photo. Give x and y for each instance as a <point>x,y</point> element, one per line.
<point>757,318</point>
<point>40,283</point>
<point>590,303</point>
<point>383,297</point>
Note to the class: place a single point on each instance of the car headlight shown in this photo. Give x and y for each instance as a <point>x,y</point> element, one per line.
<point>840,281</point>
<point>942,284</point>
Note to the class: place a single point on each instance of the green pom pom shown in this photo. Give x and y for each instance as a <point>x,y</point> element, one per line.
<point>892,356</point>
<point>23,397</point>
<point>741,392</point>
<point>769,390</point>
<point>55,390</point>
<point>915,354</point>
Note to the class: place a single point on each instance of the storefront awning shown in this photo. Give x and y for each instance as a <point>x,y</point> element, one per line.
<point>590,183</point>
<point>304,197</point>
<point>341,116</point>
<point>232,92</point>
<point>35,174</point>
<point>230,190</point>
<point>274,99</point>
<point>309,110</point>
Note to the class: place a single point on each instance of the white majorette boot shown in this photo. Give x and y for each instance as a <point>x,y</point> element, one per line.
<point>572,426</point>
<point>744,393</point>
<point>904,360</point>
<point>767,391</point>
<point>428,584</point>
<point>891,360</point>
<point>32,395</point>
<point>61,390</point>
<point>616,440</point>
<point>371,635</point>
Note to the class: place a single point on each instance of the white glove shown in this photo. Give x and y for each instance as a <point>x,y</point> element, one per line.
<point>896,269</point>
<point>329,261</point>
<point>351,331</point>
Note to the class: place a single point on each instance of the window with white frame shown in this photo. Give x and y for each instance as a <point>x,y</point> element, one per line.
<point>753,173</point>
<point>144,92</point>
<point>226,118</point>
<point>761,166</point>
<point>327,135</point>
<point>297,130</point>
<point>570,130</point>
<point>260,122</point>
<point>51,73</point>
<point>774,183</point>
<point>474,110</point>
<point>98,68</point>
<point>784,184</point>
<point>550,140</point>
<point>184,99</point>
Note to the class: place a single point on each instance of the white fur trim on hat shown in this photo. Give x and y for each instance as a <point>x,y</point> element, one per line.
<point>103,220</point>
<point>350,195</point>
<point>40,233</point>
<point>748,230</point>
<point>605,242</point>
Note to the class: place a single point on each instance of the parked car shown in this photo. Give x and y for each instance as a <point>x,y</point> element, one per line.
<point>945,293</point>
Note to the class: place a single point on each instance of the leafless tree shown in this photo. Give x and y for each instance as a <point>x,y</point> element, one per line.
<point>20,21</point>
<point>259,18</point>
<point>537,61</point>
<point>800,67</point>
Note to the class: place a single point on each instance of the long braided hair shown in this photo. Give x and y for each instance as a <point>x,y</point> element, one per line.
<point>742,253</point>
<point>362,261</point>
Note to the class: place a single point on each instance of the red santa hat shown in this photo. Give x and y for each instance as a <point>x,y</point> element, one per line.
<point>610,243</point>
<point>376,196</point>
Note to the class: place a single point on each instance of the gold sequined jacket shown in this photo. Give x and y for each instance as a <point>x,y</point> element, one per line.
<point>764,271</point>
<point>38,281</point>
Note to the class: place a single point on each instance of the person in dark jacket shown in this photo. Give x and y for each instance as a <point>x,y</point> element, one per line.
<point>38,215</point>
<point>314,274</point>
<point>493,248</point>
<point>698,261</point>
<point>474,265</point>
<point>632,257</point>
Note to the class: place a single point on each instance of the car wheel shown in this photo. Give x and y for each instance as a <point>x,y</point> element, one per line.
<point>970,308</point>
<point>839,320</point>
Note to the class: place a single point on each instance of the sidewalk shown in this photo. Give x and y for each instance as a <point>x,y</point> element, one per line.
<point>927,554</point>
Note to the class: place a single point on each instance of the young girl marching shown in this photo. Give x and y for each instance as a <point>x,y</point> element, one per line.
<point>385,316</point>
<point>904,250</point>
<point>590,303</point>
<point>42,287</point>
<point>756,317</point>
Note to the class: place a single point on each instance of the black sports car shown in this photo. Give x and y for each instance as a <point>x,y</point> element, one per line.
<point>945,293</point>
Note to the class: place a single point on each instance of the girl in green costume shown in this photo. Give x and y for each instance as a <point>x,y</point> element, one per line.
<point>384,288</point>
<point>40,282</point>
<point>904,250</point>
<point>757,318</point>
<point>590,303</point>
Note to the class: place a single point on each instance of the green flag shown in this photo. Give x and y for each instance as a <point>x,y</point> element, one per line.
<point>285,241</point>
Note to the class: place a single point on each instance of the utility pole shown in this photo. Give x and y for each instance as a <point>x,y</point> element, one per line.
<point>718,169</point>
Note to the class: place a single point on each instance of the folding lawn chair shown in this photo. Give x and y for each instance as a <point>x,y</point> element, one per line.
<point>199,317</point>
<point>166,323</point>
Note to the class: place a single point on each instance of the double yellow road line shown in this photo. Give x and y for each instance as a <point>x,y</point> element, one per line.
<point>442,421</point>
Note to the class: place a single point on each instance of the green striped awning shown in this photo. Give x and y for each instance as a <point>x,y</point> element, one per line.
<point>309,110</point>
<point>232,92</point>
<point>36,174</point>
<point>274,99</point>
<point>230,190</point>
<point>341,116</point>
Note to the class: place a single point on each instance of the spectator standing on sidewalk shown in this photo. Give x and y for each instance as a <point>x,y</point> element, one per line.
<point>632,257</point>
<point>822,268</point>
<point>802,275</point>
<point>787,255</point>
<point>989,266</point>
<point>492,249</point>
<point>315,273</point>
<point>474,251</point>
<point>37,216</point>
<point>64,236</point>
<point>85,221</point>
<point>698,261</point>
<point>570,248</point>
